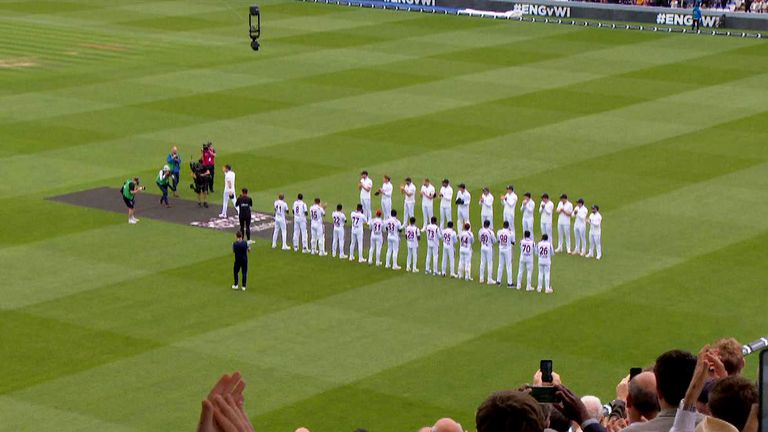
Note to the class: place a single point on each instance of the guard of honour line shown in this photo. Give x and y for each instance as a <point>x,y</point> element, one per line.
<point>385,222</point>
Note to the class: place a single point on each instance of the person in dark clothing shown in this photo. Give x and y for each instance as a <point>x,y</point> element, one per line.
<point>240,249</point>
<point>244,204</point>
<point>201,176</point>
<point>173,160</point>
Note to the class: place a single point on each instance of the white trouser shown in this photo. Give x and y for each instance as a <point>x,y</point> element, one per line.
<point>448,257</point>
<point>594,243</point>
<point>318,238</point>
<point>528,266</point>
<point>300,230</point>
<point>580,237</point>
<point>486,263</point>
<point>544,273</point>
<point>445,216</point>
<point>465,263</point>
<point>279,228</point>
<point>375,248</point>
<point>427,211</point>
<point>505,262</point>
<point>412,258</point>
<point>546,228</point>
<point>386,208</point>
<point>564,230</point>
<point>432,255</point>
<point>485,216</point>
<point>338,241</point>
<point>528,226</point>
<point>225,201</point>
<point>408,211</point>
<point>356,239</point>
<point>366,202</point>
<point>393,245</point>
<point>462,217</point>
<point>510,217</point>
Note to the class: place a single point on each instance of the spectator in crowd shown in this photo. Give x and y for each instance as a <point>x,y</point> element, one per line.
<point>673,371</point>
<point>594,407</point>
<point>556,421</point>
<point>446,425</point>
<point>224,408</point>
<point>729,352</point>
<point>730,400</point>
<point>510,411</point>
<point>642,401</point>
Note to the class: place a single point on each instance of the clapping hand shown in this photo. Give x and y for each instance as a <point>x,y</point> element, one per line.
<point>223,409</point>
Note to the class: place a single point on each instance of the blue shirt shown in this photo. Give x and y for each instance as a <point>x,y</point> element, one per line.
<point>240,248</point>
<point>696,12</point>
<point>174,164</point>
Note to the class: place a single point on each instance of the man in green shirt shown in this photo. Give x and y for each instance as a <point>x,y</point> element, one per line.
<point>128,191</point>
<point>163,182</point>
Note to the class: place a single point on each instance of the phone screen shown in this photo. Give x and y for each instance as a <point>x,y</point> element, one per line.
<point>546,371</point>
<point>635,371</point>
<point>763,420</point>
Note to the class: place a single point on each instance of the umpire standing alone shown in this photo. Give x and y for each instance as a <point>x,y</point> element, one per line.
<point>244,204</point>
<point>240,249</point>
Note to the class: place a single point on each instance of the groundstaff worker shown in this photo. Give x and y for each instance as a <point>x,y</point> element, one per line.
<point>129,190</point>
<point>244,204</point>
<point>240,249</point>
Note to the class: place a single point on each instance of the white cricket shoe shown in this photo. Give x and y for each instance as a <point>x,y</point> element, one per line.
<point>589,255</point>
<point>286,248</point>
<point>132,221</point>
<point>243,288</point>
<point>558,250</point>
<point>415,270</point>
<point>548,291</point>
<point>491,282</point>
<point>396,267</point>
<point>529,288</point>
<point>342,256</point>
<point>538,289</point>
<point>234,287</point>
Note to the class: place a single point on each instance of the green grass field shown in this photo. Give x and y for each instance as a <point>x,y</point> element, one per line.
<point>111,327</point>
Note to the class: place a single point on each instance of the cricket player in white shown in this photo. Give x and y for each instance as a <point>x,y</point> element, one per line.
<point>365,185</point>
<point>564,212</point>
<point>486,208</point>
<point>580,214</point>
<point>544,252</point>
<point>466,238</point>
<point>546,208</point>
<point>427,208</point>
<point>487,238</point>
<point>449,242</point>
<point>595,232</point>
<point>509,201</point>
<point>316,214</point>
<point>281,209</point>
<point>527,246</point>
<point>506,239</point>
<point>300,224</point>
<point>229,191</point>
<point>446,203</point>
<point>356,238</point>
<point>386,197</point>
<point>393,227</point>
<point>409,191</point>
<point>377,228</point>
<point>339,219</point>
<point>527,208</point>
<point>463,199</point>
<point>412,236</point>
<point>433,247</point>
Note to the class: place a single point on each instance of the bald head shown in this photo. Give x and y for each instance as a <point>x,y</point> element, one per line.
<point>446,425</point>
<point>642,399</point>
<point>302,429</point>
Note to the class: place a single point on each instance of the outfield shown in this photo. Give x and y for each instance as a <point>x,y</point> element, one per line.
<point>111,327</point>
